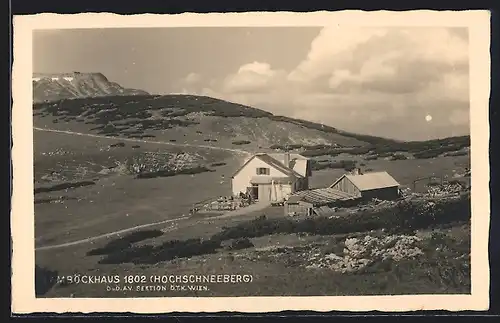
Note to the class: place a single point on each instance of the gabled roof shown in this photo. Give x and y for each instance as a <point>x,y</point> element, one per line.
<point>298,162</point>
<point>370,181</point>
<point>281,156</point>
<point>266,158</point>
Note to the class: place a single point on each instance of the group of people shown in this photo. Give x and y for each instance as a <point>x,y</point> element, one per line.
<point>246,196</point>
<point>241,196</point>
<point>231,202</point>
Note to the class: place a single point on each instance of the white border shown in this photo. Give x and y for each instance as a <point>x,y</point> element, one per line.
<point>23,297</point>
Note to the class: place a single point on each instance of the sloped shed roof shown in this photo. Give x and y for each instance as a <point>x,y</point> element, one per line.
<point>320,196</point>
<point>370,181</point>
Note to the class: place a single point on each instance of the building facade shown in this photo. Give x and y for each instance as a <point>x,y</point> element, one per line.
<point>272,178</point>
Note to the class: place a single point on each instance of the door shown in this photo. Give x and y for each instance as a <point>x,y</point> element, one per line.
<point>264,192</point>
<point>254,191</point>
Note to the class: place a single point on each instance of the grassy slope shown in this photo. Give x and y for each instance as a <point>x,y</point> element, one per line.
<point>205,120</point>
<point>410,277</point>
<point>177,117</point>
<point>95,209</point>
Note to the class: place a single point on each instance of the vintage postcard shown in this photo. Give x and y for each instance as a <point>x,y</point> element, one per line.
<point>251,162</point>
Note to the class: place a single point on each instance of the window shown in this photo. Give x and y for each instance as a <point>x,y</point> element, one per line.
<point>263,171</point>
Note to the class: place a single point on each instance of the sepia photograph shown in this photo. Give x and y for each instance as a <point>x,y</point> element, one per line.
<point>259,160</point>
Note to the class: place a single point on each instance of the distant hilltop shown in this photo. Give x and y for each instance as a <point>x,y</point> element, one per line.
<point>39,76</point>
<point>58,86</point>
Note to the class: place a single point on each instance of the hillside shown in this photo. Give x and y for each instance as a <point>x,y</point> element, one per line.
<point>184,119</point>
<point>52,87</point>
<point>189,119</point>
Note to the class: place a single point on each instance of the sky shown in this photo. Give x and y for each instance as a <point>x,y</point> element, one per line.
<point>403,83</point>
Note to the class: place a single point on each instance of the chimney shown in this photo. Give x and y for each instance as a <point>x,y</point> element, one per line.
<point>357,171</point>
<point>287,159</point>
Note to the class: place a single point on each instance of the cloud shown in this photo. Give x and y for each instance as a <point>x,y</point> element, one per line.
<point>381,60</point>
<point>254,77</point>
<point>382,81</point>
<point>190,84</point>
<point>192,78</point>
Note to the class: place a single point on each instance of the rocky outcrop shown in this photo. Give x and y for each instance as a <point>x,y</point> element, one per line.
<point>358,253</point>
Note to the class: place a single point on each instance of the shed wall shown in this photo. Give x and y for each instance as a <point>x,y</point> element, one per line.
<point>345,185</point>
<point>298,209</point>
<point>386,193</point>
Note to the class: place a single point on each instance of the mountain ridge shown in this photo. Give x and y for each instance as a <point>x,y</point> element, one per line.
<point>57,86</point>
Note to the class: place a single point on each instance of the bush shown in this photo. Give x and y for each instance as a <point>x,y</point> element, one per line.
<point>438,238</point>
<point>345,164</point>
<point>427,154</point>
<point>125,242</point>
<point>405,217</point>
<point>385,154</point>
<point>320,152</point>
<point>45,279</point>
<point>218,164</point>
<point>127,254</point>
<point>457,182</point>
<point>120,144</point>
<point>301,146</point>
<point>398,157</point>
<point>63,186</point>
<point>170,173</point>
<point>167,251</point>
<point>350,167</point>
<point>241,142</point>
<point>457,153</point>
<point>241,243</point>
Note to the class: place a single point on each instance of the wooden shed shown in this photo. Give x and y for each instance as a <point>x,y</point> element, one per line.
<point>317,201</point>
<point>379,185</point>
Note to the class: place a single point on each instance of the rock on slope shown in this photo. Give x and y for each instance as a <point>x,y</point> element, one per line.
<point>53,87</point>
